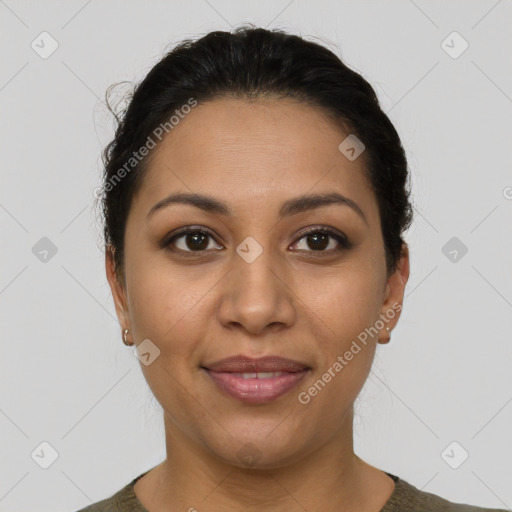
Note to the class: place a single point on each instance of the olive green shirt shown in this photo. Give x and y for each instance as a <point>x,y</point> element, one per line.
<point>405,498</point>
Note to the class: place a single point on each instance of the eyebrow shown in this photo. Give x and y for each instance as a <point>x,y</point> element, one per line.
<point>290,207</point>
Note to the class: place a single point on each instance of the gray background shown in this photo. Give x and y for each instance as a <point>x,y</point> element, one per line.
<point>66,377</point>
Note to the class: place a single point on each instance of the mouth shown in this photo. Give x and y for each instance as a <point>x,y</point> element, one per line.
<point>256,381</point>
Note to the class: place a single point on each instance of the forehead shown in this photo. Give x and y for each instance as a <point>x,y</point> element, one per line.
<point>258,150</point>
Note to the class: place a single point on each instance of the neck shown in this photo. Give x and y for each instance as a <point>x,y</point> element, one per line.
<point>329,478</point>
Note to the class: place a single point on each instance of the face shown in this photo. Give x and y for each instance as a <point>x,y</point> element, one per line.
<point>282,258</point>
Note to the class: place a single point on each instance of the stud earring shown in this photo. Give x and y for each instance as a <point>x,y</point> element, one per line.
<point>389,337</point>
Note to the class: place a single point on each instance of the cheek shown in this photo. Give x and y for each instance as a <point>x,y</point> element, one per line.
<point>157,301</point>
<point>346,299</point>
<point>347,304</point>
<point>168,309</point>
<point>171,308</point>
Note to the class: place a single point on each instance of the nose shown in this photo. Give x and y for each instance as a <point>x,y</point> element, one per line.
<point>256,296</point>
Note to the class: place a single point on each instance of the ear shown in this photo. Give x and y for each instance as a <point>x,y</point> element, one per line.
<point>117,288</point>
<point>394,293</point>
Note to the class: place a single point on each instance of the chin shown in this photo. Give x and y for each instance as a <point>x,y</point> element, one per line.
<point>266,448</point>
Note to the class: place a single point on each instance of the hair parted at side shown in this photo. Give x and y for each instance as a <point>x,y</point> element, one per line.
<point>252,62</point>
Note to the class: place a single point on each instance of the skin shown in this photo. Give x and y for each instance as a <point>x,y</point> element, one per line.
<point>292,301</point>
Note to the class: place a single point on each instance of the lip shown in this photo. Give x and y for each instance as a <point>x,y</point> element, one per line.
<point>227,375</point>
<point>245,364</point>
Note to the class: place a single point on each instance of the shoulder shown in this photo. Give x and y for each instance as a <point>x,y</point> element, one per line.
<point>124,500</point>
<point>406,497</point>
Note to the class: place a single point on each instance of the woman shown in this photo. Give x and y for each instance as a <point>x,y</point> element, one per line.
<point>255,197</point>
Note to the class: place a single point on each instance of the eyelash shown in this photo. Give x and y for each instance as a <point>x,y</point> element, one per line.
<point>343,242</point>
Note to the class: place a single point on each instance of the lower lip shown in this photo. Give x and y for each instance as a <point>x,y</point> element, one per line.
<point>256,391</point>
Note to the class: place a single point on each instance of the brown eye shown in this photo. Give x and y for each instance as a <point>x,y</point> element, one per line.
<point>193,240</point>
<point>322,240</point>
<point>318,241</point>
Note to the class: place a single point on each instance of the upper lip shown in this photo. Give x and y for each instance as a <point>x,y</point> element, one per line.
<point>245,364</point>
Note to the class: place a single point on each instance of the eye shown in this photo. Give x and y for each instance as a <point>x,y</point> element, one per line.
<point>192,239</point>
<point>322,240</point>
